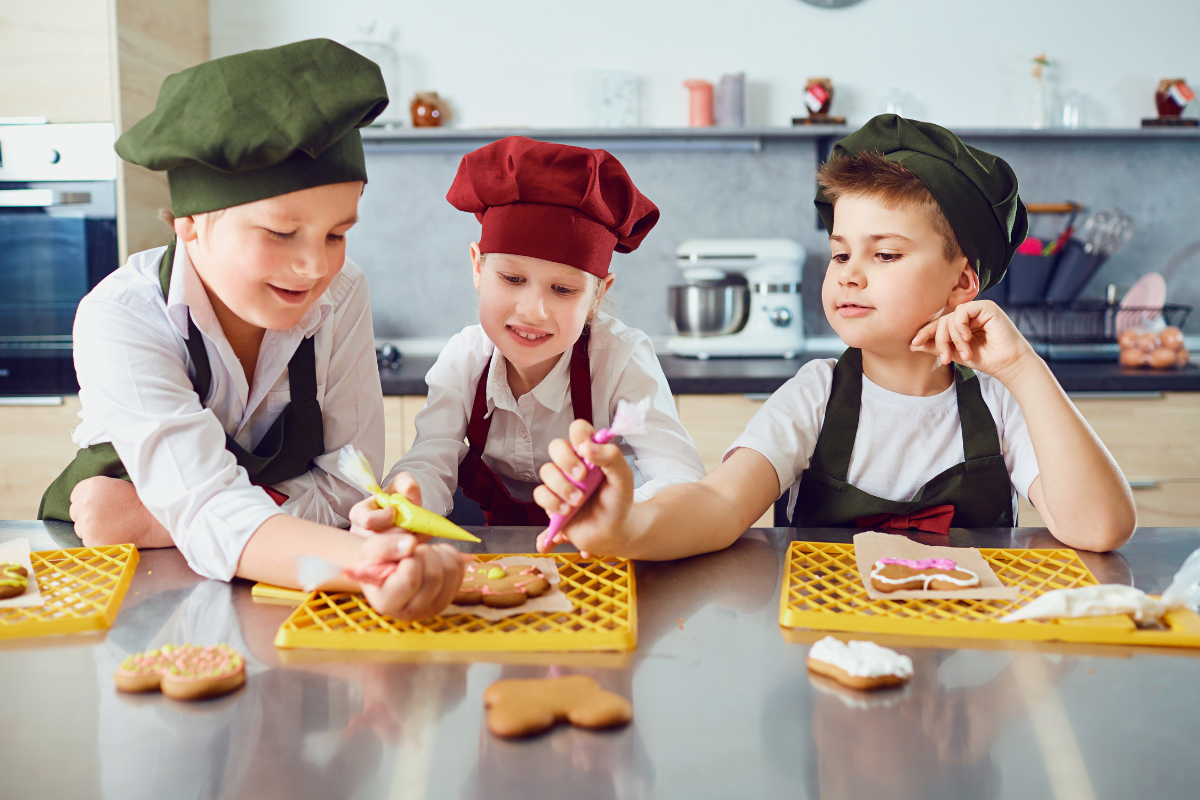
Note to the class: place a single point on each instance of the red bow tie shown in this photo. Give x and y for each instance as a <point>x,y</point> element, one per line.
<point>935,519</point>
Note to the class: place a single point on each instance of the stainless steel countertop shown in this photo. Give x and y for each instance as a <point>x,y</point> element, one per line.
<point>723,704</point>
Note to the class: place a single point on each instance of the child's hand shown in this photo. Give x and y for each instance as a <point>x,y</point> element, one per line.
<point>979,335</point>
<point>423,584</point>
<point>108,511</point>
<point>598,527</point>
<point>367,518</point>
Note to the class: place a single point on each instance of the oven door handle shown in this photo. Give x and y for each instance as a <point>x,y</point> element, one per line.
<point>41,198</point>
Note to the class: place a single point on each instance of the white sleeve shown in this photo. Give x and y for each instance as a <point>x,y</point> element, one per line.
<point>442,426</point>
<point>132,366</point>
<point>351,411</point>
<point>1015,444</point>
<point>665,454</point>
<point>786,428</point>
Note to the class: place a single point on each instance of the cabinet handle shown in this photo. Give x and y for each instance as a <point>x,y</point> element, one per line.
<point>1143,483</point>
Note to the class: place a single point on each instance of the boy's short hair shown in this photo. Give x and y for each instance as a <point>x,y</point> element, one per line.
<point>894,185</point>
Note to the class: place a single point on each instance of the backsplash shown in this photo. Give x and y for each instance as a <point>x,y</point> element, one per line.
<point>413,244</point>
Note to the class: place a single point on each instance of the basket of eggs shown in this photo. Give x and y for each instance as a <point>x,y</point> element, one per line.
<point>1162,349</point>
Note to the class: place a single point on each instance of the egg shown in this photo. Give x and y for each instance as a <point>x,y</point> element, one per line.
<point>1162,357</point>
<point>1172,337</point>
<point>1181,357</point>
<point>1148,342</point>
<point>1132,357</point>
<point>1128,339</point>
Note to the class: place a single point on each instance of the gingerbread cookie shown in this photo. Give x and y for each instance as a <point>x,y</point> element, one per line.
<point>522,707</point>
<point>859,665</point>
<point>14,580</point>
<point>183,672</point>
<point>500,586</point>
<point>937,574</point>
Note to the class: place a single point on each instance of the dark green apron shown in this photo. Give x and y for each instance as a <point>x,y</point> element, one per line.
<point>979,488</point>
<point>295,438</point>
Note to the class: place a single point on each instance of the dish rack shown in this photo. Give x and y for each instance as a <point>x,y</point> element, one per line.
<point>1085,329</point>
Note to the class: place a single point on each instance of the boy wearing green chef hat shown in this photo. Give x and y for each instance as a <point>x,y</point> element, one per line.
<point>938,413</point>
<point>219,376</point>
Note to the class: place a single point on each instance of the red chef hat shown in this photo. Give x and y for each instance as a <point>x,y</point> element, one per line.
<point>570,205</point>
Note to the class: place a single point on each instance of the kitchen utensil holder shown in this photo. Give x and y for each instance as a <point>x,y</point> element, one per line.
<point>1028,277</point>
<point>1074,269</point>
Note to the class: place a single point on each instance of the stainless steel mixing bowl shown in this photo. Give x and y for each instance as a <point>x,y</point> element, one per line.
<point>708,308</point>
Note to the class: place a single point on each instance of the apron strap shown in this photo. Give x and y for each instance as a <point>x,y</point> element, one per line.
<point>980,439</point>
<point>581,377</point>
<point>835,442</point>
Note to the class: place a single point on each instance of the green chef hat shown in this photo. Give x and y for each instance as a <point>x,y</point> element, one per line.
<point>259,124</point>
<point>977,191</point>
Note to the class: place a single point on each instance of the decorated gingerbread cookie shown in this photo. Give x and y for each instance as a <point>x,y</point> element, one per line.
<point>517,707</point>
<point>499,585</point>
<point>14,580</point>
<point>859,665</point>
<point>183,672</point>
<point>937,574</point>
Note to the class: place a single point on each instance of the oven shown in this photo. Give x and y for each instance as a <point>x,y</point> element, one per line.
<point>58,238</point>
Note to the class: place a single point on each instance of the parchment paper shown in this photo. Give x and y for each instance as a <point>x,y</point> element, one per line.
<point>17,551</point>
<point>871,546</point>
<point>552,600</point>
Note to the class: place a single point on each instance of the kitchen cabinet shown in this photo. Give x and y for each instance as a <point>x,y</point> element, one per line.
<point>35,446</point>
<point>102,61</point>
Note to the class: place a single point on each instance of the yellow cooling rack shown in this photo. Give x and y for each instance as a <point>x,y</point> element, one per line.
<point>83,588</point>
<point>822,590</point>
<point>605,618</point>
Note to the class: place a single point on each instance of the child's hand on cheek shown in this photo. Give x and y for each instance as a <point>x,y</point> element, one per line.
<point>979,335</point>
<point>598,527</point>
<point>367,518</point>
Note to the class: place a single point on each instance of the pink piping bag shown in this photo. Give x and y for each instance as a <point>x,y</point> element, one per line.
<point>629,419</point>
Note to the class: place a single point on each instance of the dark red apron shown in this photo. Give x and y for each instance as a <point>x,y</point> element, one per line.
<point>477,480</point>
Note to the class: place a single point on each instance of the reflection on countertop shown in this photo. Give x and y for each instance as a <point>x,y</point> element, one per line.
<point>723,703</point>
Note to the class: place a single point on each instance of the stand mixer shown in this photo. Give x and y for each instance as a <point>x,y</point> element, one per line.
<point>742,298</point>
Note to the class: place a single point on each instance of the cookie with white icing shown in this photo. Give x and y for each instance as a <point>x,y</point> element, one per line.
<point>929,574</point>
<point>500,585</point>
<point>859,665</point>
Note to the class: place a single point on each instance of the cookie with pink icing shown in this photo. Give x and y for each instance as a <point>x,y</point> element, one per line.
<point>183,672</point>
<point>500,585</point>
<point>936,574</point>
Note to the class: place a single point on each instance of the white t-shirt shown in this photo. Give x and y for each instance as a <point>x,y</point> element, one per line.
<point>623,367</point>
<point>902,442</point>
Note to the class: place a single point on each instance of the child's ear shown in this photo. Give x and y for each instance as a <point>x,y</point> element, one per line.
<point>967,287</point>
<point>185,229</point>
<point>476,264</point>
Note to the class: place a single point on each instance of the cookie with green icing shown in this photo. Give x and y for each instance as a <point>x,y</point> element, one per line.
<point>14,580</point>
<point>500,585</point>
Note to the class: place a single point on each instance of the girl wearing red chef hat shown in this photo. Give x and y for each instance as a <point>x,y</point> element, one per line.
<point>543,353</point>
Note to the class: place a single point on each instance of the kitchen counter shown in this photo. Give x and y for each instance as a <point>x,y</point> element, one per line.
<point>723,704</point>
<point>765,375</point>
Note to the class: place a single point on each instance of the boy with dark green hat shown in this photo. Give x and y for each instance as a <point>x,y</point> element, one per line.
<point>939,412</point>
<point>219,376</point>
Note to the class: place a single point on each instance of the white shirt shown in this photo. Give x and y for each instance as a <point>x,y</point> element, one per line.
<point>902,442</point>
<point>135,384</point>
<point>623,367</point>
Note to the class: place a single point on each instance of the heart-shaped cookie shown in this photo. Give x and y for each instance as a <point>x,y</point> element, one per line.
<point>183,672</point>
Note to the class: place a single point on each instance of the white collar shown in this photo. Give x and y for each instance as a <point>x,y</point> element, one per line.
<point>551,392</point>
